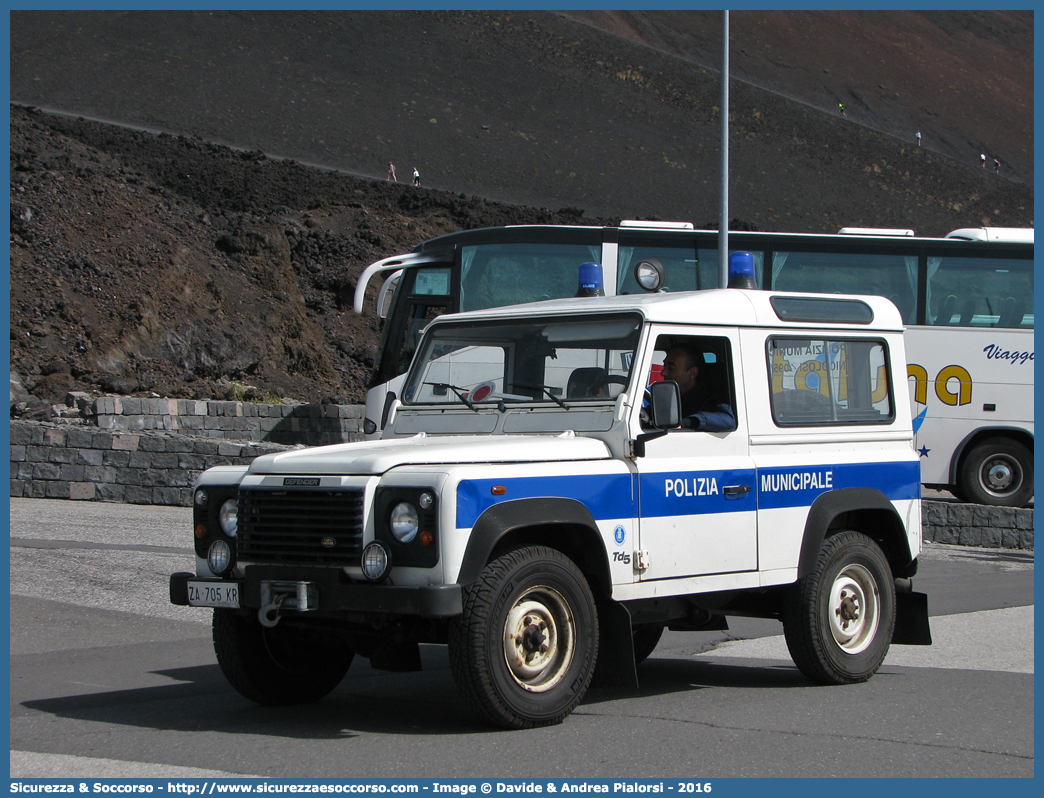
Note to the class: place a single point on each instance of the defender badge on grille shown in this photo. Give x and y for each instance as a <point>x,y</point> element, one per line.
<point>328,542</point>
<point>304,482</point>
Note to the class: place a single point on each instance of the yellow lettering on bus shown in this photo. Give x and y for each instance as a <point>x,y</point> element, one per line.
<point>964,388</point>
<point>920,375</point>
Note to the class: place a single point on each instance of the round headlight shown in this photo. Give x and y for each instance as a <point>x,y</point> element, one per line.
<point>228,517</point>
<point>650,274</point>
<point>404,522</point>
<point>200,498</point>
<point>219,557</point>
<point>374,561</point>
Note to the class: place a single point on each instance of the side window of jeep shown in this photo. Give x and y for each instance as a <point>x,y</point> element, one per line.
<point>702,367</point>
<point>829,381</point>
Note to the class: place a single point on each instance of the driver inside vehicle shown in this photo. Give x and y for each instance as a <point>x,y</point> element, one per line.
<point>704,394</point>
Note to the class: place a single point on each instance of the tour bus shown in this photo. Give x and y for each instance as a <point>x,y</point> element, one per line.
<point>966,300</point>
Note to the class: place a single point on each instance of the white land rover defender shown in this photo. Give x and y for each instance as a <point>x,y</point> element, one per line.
<point>539,503</point>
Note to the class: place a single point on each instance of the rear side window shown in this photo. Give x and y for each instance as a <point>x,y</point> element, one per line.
<point>829,381</point>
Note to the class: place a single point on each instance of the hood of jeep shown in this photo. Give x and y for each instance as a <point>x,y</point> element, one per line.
<point>377,457</point>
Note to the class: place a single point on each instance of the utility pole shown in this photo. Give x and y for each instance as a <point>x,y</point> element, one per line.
<point>723,221</point>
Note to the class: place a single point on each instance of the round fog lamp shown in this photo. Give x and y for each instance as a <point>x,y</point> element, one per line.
<point>404,522</point>
<point>374,561</point>
<point>200,497</point>
<point>219,557</point>
<point>426,500</point>
<point>228,517</point>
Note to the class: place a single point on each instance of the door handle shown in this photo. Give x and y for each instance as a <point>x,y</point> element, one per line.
<point>736,490</point>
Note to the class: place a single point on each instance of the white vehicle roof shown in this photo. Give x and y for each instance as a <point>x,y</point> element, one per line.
<point>732,307</point>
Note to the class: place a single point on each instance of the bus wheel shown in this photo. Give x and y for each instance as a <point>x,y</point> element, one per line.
<point>277,666</point>
<point>646,636</point>
<point>998,471</point>
<point>524,649</point>
<point>838,619</point>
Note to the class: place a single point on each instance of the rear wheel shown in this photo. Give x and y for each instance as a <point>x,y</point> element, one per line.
<point>839,618</point>
<point>524,649</point>
<point>280,665</point>
<point>998,471</point>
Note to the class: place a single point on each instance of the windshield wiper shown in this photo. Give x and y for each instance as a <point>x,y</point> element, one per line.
<point>458,391</point>
<point>547,391</point>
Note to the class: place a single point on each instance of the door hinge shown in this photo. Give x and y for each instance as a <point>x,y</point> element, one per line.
<point>641,560</point>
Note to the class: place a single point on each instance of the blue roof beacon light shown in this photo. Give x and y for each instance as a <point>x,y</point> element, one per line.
<point>591,280</point>
<point>741,270</point>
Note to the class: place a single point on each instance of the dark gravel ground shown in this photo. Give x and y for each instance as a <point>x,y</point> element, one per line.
<point>170,264</point>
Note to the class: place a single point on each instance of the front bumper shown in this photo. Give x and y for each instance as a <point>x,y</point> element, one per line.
<point>336,594</point>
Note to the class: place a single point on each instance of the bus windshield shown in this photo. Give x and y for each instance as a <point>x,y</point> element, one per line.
<point>558,361</point>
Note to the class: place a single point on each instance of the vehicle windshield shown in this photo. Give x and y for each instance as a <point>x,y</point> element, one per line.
<point>557,361</point>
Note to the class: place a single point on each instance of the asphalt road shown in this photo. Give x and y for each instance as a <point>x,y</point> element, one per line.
<point>107,676</point>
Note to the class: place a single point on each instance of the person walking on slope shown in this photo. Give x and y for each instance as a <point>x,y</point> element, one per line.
<point>416,177</point>
<point>996,166</point>
<point>918,138</point>
<point>982,159</point>
<point>841,108</point>
<point>391,172</point>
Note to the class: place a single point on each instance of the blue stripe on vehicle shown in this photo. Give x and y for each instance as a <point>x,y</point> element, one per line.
<point>696,492</point>
<point>605,495</point>
<point>680,493</point>
<point>798,486</point>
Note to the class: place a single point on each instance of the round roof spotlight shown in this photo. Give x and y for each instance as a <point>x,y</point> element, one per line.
<point>375,561</point>
<point>650,274</point>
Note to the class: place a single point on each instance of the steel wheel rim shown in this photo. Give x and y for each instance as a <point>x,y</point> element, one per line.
<point>539,639</point>
<point>1000,475</point>
<point>854,609</point>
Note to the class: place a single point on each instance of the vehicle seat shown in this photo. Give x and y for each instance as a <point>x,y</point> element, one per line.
<point>946,310</point>
<point>589,382</point>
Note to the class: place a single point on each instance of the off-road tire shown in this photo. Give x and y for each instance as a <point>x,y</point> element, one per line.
<point>495,645</point>
<point>277,666</point>
<point>838,619</point>
<point>998,471</point>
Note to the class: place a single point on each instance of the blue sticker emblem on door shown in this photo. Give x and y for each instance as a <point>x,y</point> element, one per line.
<point>619,535</point>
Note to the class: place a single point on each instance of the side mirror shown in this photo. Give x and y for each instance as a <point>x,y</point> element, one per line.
<point>665,405</point>
<point>664,413</point>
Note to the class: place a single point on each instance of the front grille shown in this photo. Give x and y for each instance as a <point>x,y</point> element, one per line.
<point>305,527</point>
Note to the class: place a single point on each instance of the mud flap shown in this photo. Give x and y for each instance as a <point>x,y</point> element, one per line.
<point>911,620</point>
<point>615,667</point>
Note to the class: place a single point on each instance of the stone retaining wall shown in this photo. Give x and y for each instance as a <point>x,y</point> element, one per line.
<point>159,467</point>
<point>51,461</point>
<point>308,424</point>
<point>977,525</point>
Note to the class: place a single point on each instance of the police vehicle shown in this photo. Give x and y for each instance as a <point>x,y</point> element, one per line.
<point>546,504</point>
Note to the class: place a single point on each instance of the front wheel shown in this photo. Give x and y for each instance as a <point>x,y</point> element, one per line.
<point>998,471</point>
<point>281,665</point>
<point>524,649</point>
<point>838,619</point>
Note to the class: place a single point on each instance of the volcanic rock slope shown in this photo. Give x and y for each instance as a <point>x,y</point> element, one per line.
<point>170,264</point>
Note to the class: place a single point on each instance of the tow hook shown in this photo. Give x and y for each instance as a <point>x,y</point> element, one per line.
<point>268,615</point>
<point>277,597</point>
